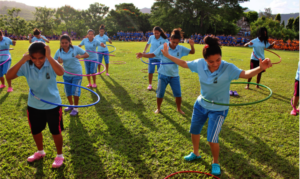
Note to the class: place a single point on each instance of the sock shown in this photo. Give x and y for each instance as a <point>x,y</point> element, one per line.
<point>150,85</point>
<point>61,156</point>
<point>41,152</point>
<point>76,109</point>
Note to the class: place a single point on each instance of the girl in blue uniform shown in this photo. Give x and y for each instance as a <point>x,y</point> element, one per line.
<point>102,38</point>
<point>155,41</point>
<point>259,44</point>
<point>90,43</point>
<point>296,93</point>
<point>168,74</point>
<point>40,71</point>
<point>69,55</point>
<point>37,37</point>
<point>215,76</point>
<point>5,42</point>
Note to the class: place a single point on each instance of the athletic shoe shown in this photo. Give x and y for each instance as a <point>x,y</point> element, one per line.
<point>89,85</point>
<point>191,157</point>
<point>216,169</point>
<point>235,93</point>
<point>58,161</point>
<point>107,74</point>
<point>10,89</point>
<point>149,87</point>
<point>35,156</point>
<point>231,93</point>
<point>73,113</point>
<point>2,86</point>
<point>294,112</point>
<point>94,86</point>
<point>68,109</point>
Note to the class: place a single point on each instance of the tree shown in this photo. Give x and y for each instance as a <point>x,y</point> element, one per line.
<point>296,24</point>
<point>45,19</point>
<point>267,13</point>
<point>290,23</point>
<point>13,21</point>
<point>251,16</point>
<point>278,17</point>
<point>283,24</point>
<point>67,15</point>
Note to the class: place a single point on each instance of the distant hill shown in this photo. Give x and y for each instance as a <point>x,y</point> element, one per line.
<point>285,17</point>
<point>146,10</point>
<point>26,11</point>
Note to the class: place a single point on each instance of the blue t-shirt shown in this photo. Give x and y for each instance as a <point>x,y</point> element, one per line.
<point>34,39</point>
<point>102,39</point>
<point>155,43</point>
<point>214,86</point>
<point>90,46</point>
<point>42,82</point>
<point>4,44</point>
<point>258,49</point>
<point>71,63</point>
<point>170,69</point>
<point>297,73</point>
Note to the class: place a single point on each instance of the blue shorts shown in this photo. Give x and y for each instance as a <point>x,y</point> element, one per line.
<point>71,90</point>
<point>163,81</point>
<point>106,57</point>
<point>4,68</point>
<point>151,68</point>
<point>90,67</point>
<point>215,122</point>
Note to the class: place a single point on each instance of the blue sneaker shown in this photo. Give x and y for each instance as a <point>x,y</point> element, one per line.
<point>216,169</point>
<point>191,157</point>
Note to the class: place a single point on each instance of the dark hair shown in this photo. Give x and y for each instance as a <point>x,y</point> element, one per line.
<point>91,30</point>
<point>212,46</point>
<point>177,34</point>
<point>36,47</point>
<point>101,27</point>
<point>67,37</point>
<point>0,32</point>
<point>261,34</point>
<point>162,33</point>
<point>36,31</point>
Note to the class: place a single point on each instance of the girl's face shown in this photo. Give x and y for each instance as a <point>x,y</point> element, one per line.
<point>65,44</point>
<point>90,35</point>
<point>174,43</point>
<point>156,33</point>
<point>38,59</point>
<point>101,31</point>
<point>214,62</point>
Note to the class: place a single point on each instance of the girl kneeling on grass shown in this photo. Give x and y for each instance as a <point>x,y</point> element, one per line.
<point>168,74</point>
<point>215,77</point>
<point>40,71</point>
<point>69,55</point>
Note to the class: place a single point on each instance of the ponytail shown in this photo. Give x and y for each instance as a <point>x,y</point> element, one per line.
<point>177,34</point>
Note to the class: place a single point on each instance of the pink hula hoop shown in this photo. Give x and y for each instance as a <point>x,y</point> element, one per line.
<point>91,74</point>
<point>99,53</point>
<point>271,52</point>
<point>5,60</point>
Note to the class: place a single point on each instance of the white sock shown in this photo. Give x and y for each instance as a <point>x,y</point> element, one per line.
<point>41,152</point>
<point>61,156</point>
<point>150,85</point>
<point>76,109</point>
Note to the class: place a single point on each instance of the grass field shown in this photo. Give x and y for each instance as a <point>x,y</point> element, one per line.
<point>121,137</point>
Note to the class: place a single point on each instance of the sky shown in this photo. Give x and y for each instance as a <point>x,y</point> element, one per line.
<point>277,6</point>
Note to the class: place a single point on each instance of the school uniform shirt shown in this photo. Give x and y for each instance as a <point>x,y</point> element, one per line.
<point>170,70</point>
<point>4,44</point>
<point>214,86</point>
<point>297,73</point>
<point>42,82</point>
<point>71,63</point>
<point>258,49</point>
<point>155,43</point>
<point>102,39</point>
<point>34,39</point>
<point>90,46</point>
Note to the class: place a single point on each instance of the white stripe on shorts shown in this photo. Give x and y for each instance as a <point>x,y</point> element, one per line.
<point>218,128</point>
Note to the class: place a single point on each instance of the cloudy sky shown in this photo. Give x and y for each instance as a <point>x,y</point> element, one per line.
<point>277,6</point>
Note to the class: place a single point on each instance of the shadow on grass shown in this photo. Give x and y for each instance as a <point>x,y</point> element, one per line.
<point>275,96</point>
<point>3,98</point>
<point>39,165</point>
<point>120,139</point>
<point>25,98</point>
<point>85,160</point>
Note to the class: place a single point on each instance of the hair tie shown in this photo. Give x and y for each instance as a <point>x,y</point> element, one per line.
<point>206,46</point>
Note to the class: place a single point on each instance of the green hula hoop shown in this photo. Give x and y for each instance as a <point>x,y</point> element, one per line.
<point>242,104</point>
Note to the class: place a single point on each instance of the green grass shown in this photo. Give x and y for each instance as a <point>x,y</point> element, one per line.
<point>121,137</point>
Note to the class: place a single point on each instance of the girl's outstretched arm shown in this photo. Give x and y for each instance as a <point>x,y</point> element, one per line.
<point>178,61</point>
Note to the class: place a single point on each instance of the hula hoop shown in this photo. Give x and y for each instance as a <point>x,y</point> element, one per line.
<point>156,63</point>
<point>144,70</point>
<point>208,174</point>
<point>271,52</point>
<point>91,74</point>
<point>99,53</point>
<point>63,105</point>
<point>118,62</point>
<point>113,50</point>
<point>5,60</point>
<point>6,49</point>
<point>242,104</point>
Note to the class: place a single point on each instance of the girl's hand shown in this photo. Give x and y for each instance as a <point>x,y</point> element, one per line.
<point>251,43</point>
<point>59,60</point>
<point>265,64</point>
<point>102,45</point>
<point>78,56</point>
<point>25,58</point>
<point>14,42</point>
<point>48,53</point>
<point>165,51</point>
<point>139,55</point>
<point>191,42</point>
